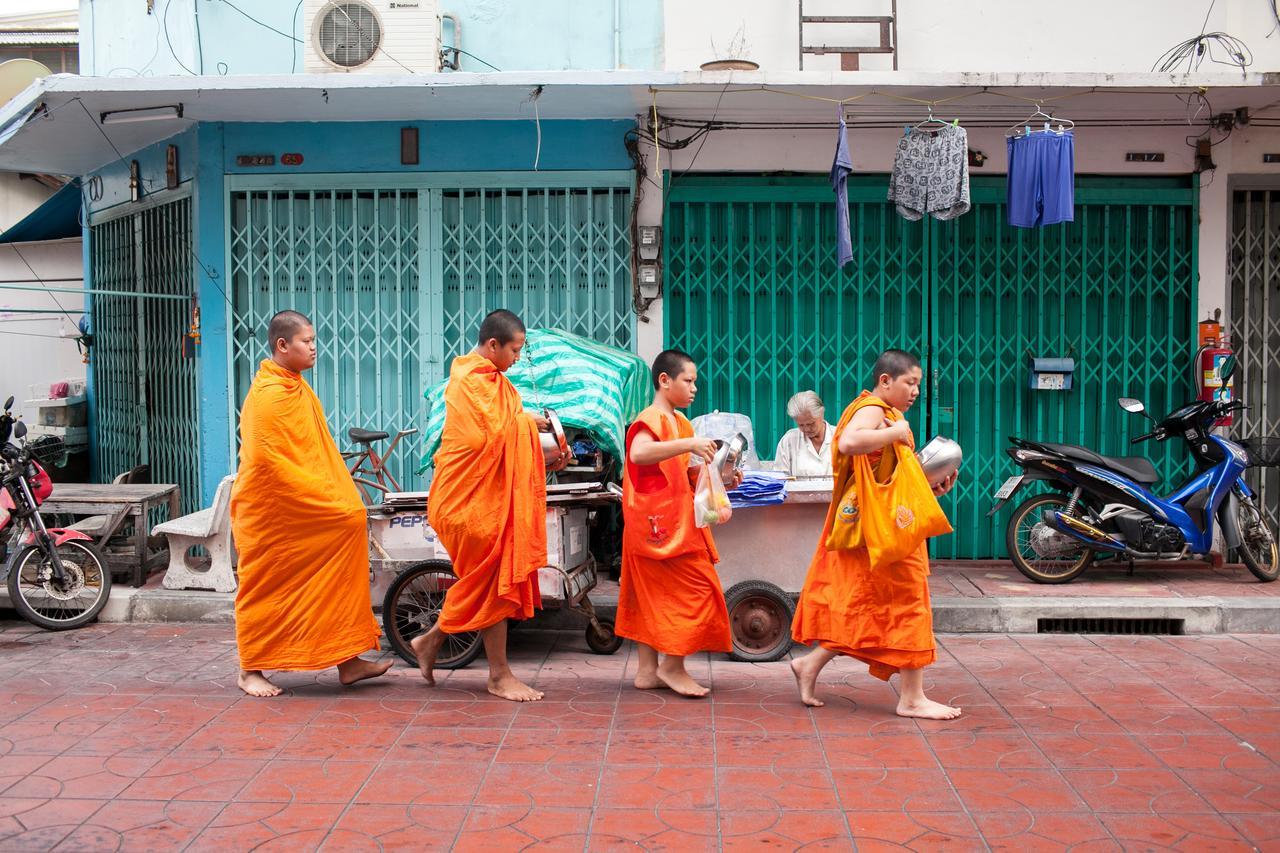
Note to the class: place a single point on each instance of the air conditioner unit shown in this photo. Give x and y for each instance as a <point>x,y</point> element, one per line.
<point>372,36</point>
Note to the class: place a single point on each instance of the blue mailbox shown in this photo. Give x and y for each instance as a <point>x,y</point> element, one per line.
<point>1052,374</point>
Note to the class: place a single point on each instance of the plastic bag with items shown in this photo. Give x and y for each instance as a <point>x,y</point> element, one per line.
<point>710,499</point>
<point>724,425</point>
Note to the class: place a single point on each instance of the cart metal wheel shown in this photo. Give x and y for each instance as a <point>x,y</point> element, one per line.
<point>603,640</point>
<point>760,619</point>
<point>412,606</point>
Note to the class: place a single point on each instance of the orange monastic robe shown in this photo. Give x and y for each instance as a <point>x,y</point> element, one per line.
<point>881,617</point>
<point>670,598</point>
<point>300,528</point>
<point>488,500</point>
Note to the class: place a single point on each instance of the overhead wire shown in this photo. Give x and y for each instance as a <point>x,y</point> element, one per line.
<point>1193,51</point>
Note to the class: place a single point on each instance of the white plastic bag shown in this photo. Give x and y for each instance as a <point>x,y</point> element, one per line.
<point>710,500</point>
<point>724,426</point>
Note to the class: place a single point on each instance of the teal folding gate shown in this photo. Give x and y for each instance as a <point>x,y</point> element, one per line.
<point>145,402</point>
<point>753,292</point>
<point>397,273</point>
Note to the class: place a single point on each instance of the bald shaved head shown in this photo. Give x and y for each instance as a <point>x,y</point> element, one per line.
<point>285,324</point>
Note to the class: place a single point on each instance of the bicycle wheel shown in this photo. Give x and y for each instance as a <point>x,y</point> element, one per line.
<point>58,607</point>
<point>412,606</point>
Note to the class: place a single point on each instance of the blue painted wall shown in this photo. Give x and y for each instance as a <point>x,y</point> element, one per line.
<point>444,146</point>
<point>119,38</point>
<point>207,154</point>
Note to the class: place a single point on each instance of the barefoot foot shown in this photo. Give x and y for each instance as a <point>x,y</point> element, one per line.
<point>425,648</point>
<point>648,680</point>
<point>358,669</point>
<point>927,709</point>
<point>681,682</point>
<point>510,687</point>
<point>807,681</point>
<point>255,684</point>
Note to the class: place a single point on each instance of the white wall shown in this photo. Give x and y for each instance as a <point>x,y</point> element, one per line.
<point>1098,151</point>
<point>967,35</point>
<point>18,197</point>
<point>31,349</point>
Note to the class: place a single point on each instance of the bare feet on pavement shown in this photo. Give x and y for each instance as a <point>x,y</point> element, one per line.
<point>358,669</point>
<point>255,684</point>
<point>425,648</point>
<point>807,680</point>
<point>681,682</point>
<point>927,709</point>
<point>510,687</point>
<point>648,680</point>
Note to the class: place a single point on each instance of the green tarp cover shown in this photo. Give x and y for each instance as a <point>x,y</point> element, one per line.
<point>590,385</point>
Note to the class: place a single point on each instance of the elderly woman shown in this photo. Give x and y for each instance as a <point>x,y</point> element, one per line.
<point>806,450</point>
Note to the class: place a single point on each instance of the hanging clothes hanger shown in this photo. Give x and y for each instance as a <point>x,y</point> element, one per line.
<point>931,119</point>
<point>1024,127</point>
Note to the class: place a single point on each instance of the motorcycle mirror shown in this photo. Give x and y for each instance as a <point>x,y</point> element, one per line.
<point>1132,406</point>
<point>19,430</point>
<point>1228,368</point>
<point>8,404</point>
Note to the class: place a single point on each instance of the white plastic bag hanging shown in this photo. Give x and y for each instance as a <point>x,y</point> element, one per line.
<point>710,500</point>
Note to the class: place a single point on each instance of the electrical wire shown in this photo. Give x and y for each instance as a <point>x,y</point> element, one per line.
<point>41,281</point>
<point>472,55</point>
<point>293,45</point>
<point>195,9</point>
<point>377,46</point>
<point>710,126</point>
<point>164,22</point>
<point>1193,51</point>
<point>290,36</point>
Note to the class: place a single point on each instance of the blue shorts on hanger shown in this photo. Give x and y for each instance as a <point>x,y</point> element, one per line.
<point>1041,179</point>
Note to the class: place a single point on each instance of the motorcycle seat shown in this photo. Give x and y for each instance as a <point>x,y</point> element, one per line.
<point>364,436</point>
<point>1136,468</point>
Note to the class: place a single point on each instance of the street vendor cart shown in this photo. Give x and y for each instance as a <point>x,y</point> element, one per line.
<point>764,556</point>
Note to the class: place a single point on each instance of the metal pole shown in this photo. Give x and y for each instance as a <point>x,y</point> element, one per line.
<point>92,291</point>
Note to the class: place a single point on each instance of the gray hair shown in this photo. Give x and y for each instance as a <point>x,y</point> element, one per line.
<point>805,401</point>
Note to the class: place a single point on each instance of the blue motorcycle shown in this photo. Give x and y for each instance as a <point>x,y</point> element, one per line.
<point>1103,505</point>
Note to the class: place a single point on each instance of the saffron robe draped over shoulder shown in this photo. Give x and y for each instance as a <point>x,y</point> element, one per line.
<point>301,531</point>
<point>881,617</point>
<point>488,501</point>
<point>670,597</point>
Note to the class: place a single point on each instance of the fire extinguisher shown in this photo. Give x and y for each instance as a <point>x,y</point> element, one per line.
<point>1207,366</point>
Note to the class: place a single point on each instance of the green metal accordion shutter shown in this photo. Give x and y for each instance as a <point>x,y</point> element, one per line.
<point>753,293</point>
<point>145,403</point>
<point>398,278</point>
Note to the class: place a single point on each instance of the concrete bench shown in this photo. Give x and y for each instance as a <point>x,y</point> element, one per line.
<point>209,529</point>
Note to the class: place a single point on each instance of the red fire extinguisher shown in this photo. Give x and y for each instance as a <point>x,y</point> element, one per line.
<point>1207,365</point>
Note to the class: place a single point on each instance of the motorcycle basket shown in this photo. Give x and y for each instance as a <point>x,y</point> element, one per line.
<point>1264,452</point>
<point>48,450</point>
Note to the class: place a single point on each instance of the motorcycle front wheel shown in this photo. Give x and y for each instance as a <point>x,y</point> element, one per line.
<point>1257,549</point>
<point>47,604</point>
<point>1041,553</point>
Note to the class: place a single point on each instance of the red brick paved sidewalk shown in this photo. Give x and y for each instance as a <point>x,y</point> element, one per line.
<point>133,737</point>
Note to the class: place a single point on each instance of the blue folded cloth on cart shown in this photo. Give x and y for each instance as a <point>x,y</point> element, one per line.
<point>759,488</point>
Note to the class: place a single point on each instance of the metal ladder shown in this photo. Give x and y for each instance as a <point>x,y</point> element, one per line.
<point>849,55</point>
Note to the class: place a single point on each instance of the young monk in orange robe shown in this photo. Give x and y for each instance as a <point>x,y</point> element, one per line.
<point>488,504</point>
<point>879,616</point>
<point>670,600</point>
<point>300,528</point>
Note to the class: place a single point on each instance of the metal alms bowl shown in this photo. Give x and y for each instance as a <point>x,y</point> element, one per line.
<point>940,458</point>
<point>555,444</point>
<point>730,456</point>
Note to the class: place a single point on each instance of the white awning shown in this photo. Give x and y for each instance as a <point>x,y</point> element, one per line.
<point>54,126</point>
